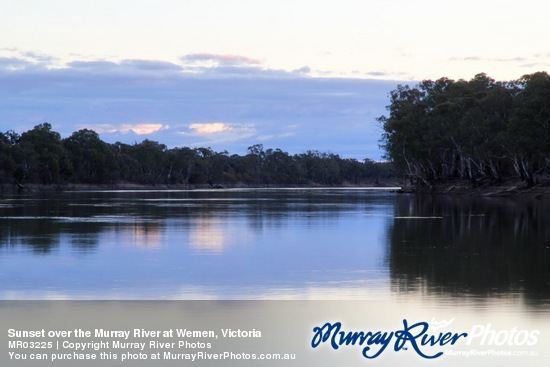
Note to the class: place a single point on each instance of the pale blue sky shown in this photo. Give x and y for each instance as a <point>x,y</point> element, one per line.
<point>294,75</point>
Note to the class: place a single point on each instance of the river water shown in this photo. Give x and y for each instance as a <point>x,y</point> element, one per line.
<point>476,260</point>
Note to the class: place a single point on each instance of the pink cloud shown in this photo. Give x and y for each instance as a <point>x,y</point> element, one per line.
<point>210,128</point>
<point>139,129</point>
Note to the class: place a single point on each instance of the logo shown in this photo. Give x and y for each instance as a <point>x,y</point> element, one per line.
<point>436,325</point>
<point>486,335</point>
<point>374,343</point>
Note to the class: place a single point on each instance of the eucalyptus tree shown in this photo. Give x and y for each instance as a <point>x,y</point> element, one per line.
<point>42,157</point>
<point>529,134</point>
<point>7,162</point>
<point>476,129</point>
<point>92,159</point>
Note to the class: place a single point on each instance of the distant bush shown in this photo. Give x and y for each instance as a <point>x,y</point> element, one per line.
<point>40,156</point>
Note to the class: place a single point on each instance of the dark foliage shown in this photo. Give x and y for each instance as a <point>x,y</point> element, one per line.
<point>478,129</point>
<point>40,156</point>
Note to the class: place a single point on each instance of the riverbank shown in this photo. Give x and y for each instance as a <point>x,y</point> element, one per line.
<point>13,189</point>
<point>506,188</point>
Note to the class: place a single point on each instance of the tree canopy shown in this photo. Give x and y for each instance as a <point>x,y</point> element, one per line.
<point>477,129</point>
<point>41,156</point>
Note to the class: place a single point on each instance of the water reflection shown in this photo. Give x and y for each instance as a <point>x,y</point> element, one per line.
<point>208,236</point>
<point>283,244</point>
<point>145,235</point>
<point>470,247</point>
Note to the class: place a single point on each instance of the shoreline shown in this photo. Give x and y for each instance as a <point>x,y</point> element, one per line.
<point>512,188</point>
<point>73,187</point>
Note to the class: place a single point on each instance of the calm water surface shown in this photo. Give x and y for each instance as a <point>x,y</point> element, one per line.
<point>273,244</point>
<point>481,261</point>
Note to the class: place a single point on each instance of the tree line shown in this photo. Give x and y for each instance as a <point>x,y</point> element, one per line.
<point>479,129</point>
<point>41,156</point>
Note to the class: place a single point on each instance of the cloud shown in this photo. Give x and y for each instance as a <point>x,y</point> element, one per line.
<point>210,128</point>
<point>218,59</point>
<point>537,67</point>
<point>138,128</point>
<point>152,65</point>
<point>543,54</point>
<point>233,66</point>
<point>302,70</point>
<point>264,138</point>
<point>227,107</point>
<point>492,59</point>
<point>377,73</point>
<point>383,74</point>
<point>219,132</point>
<point>28,59</point>
<point>13,63</point>
<point>92,65</point>
<point>39,57</point>
<point>124,66</point>
<point>142,129</point>
<point>99,128</point>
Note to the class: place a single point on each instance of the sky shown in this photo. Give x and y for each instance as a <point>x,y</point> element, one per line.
<point>227,74</point>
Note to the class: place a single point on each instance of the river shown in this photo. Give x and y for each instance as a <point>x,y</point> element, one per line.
<point>476,260</point>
